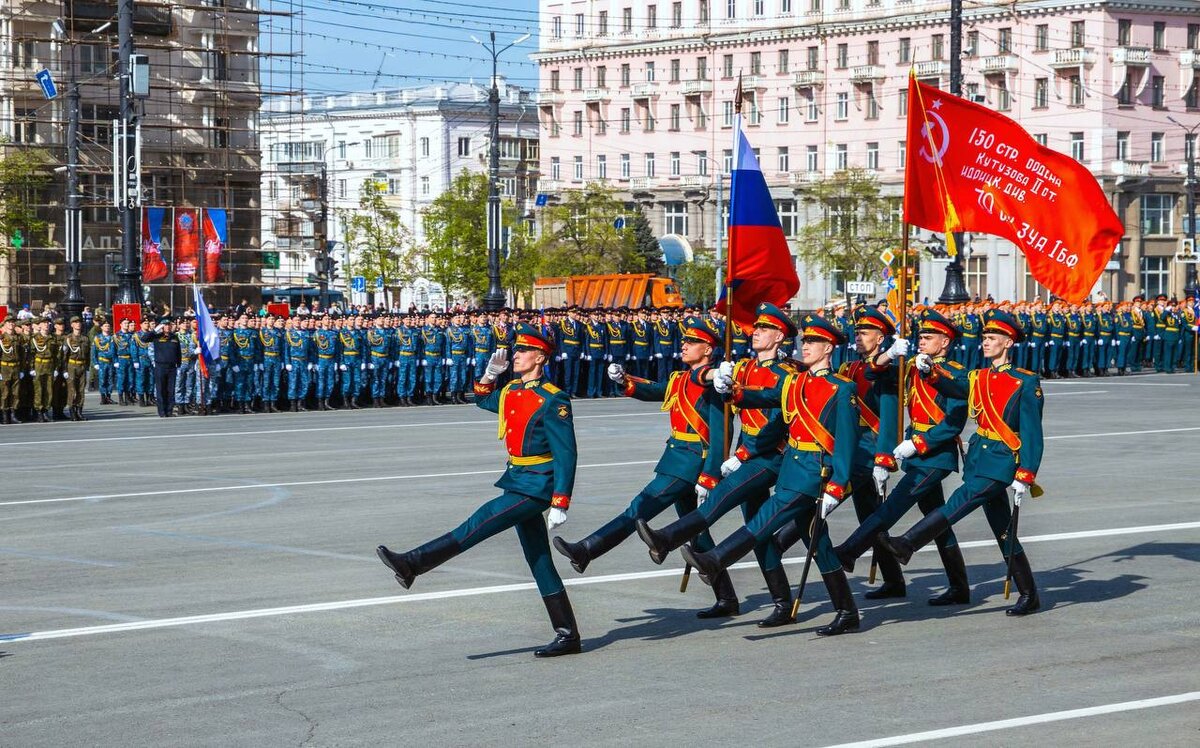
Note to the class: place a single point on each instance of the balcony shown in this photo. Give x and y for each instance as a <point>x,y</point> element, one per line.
<point>694,88</point>
<point>1073,58</point>
<point>931,69</point>
<point>550,185</point>
<point>550,97</point>
<point>753,82</point>
<point>696,181</point>
<point>1130,168</point>
<point>867,73</point>
<point>803,178</point>
<point>1131,56</point>
<point>645,90</point>
<point>808,78</point>
<point>1190,58</point>
<point>595,94</point>
<point>643,183</point>
<point>999,64</point>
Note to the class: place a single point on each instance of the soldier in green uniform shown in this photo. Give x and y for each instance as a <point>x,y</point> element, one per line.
<point>12,360</point>
<point>58,381</point>
<point>1004,455</point>
<point>76,349</point>
<point>44,355</point>
<point>537,428</point>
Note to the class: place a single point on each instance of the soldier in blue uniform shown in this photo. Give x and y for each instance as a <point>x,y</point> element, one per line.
<point>433,358</point>
<point>298,363</point>
<point>353,362</point>
<point>1004,454</point>
<point>458,359</point>
<point>690,465</point>
<point>537,429</point>
<point>665,344</point>
<point>595,353</point>
<point>481,345</point>
<point>1189,326</point>
<point>243,357</point>
<point>1039,327</point>
<point>325,346</point>
<point>123,362</point>
<point>270,340</point>
<point>819,410</point>
<point>143,363</point>
<point>103,359</point>
<point>570,350</point>
<point>1105,332</point>
<point>185,378</point>
<point>1168,330</point>
<point>378,347</point>
<point>641,344</point>
<point>618,346</point>
<point>407,356</point>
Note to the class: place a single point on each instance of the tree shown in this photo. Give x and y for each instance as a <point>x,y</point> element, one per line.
<point>523,265</point>
<point>579,238</point>
<point>456,236</point>
<point>857,224</point>
<point>22,178</point>
<point>645,242</point>
<point>697,279</point>
<point>380,245</point>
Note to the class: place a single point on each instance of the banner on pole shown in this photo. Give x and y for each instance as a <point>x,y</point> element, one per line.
<point>216,237</point>
<point>187,244</point>
<point>153,266</point>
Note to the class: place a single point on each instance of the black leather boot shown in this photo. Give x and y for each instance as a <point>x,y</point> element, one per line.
<point>781,594</point>
<point>419,560</point>
<point>712,563</point>
<point>295,406</point>
<point>903,547</point>
<point>79,416</point>
<point>245,408</point>
<point>1022,575</point>
<point>727,600</point>
<point>893,578</point>
<point>566,631</point>
<point>786,537</point>
<point>959,592</point>
<point>662,542</point>
<point>855,545</point>
<point>595,545</point>
<point>846,619</point>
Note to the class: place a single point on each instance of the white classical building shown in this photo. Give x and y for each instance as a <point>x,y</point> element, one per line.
<point>414,140</point>
<point>639,94</point>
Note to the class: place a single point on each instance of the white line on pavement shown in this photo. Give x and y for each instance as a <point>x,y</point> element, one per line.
<point>1114,383</point>
<point>241,615</point>
<point>1076,392</point>
<point>1033,719</point>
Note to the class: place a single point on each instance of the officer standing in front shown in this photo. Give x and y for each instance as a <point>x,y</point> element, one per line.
<point>167,357</point>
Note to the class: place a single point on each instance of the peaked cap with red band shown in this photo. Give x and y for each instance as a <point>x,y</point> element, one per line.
<point>873,319</point>
<point>934,321</point>
<point>695,329</point>
<point>1003,323</point>
<point>772,316</point>
<point>818,328</point>
<point>529,336</point>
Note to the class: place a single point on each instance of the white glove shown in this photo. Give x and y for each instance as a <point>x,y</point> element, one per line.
<point>115,366</point>
<point>497,364</point>
<point>395,364</point>
<point>923,362</point>
<point>828,504</point>
<point>421,362</point>
<point>586,357</point>
<point>880,475</point>
<point>900,347</point>
<point>342,367</point>
<point>96,367</point>
<point>616,372</point>
<point>1158,337</point>
<point>64,375</point>
<point>628,356</point>
<point>196,350</point>
<point>1019,490</point>
<point>137,366</point>
<point>608,357</point>
<point>701,493</point>
<point>364,367</point>
<point>730,465</point>
<point>905,449</point>
<point>288,367</point>
<point>1116,342</point>
<point>312,367</point>
<point>722,380</point>
<point>658,355</point>
<point>1050,342</point>
<point>556,518</point>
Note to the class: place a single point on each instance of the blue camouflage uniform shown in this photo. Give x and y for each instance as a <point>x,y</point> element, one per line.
<point>459,360</point>
<point>433,357</point>
<point>378,345</point>
<point>326,348</point>
<point>407,350</point>
<point>270,342</point>
<point>123,363</point>
<point>103,358</point>
<point>298,362</point>
<point>185,378</point>
<point>352,364</point>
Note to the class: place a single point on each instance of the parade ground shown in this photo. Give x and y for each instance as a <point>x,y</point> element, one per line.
<point>213,581</point>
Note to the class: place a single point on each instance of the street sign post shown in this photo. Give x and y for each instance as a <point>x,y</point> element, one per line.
<point>49,90</point>
<point>863,288</point>
<point>358,283</point>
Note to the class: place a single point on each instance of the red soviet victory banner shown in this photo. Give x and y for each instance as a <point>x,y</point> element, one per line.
<point>187,244</point>
<point>970,169</point>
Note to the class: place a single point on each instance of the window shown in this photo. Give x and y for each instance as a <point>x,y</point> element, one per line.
<point>601,124</point>
<point>813,58</point>
<point>1124,31</point>
<point>676,15</point>
<point>1123,145</point>
<point>424,144</point>
<point>602,77</point>
<point>784,164</point>
<point>812,159</point>
<point>902,102</point>
<point>789,217</point>
<point>556,27</point>
<point>651,16</point>
<point>727,114</point>
<point>727,66</point>
<point>759,7</point>
<point>22,53</point>
<point>731,8</point>
<point>1157,144</point>
<point>937,47</point>
<point>674,163</point>
<point>703,11</point>
<point>1076,91</point>
<point>873,156</point>
<point>625,119</point>
<point>1191,99</point>
<point>905,51</point>
<point>727,159</point>
<point>843,55</point>
<point>902,154</point>
<point>602,167</point>
<point>782,61</point>
<point>1156,276</point>
<point>95,123</point>
<point>872,104</point>
<point>842,106</point>
<point>1160,36</point>
<point>649,164</point>
<point>1077,33</point>
<point>602,23</point>
<point>626,20</point>
<point>555,168</point>
<point>1003,97</point>
<point>577,173</point>
<point>784,109</point>
<point>464,147</point>
<point>1041,139</point>
<point>1041,37</point>
<point>811,112</point>
<point>94,59</point>
<point>675,117</point>
<point>1077,146</point>
<point>393,186</point>
<point>674,71</point>
<point>976,276</point>
<point>1041,93</point>
<point>625,168</point>
<point>675,218</point>
<point>1193,36</point>
<point>577,77</point>
<point>24,125</point>
<point>972,48</point>
<point>578,24</point>
<point>701,68</point>
<point>756,63</point>
<point>702,163</point>
<point>577,123</point>
<point>555,80</point>
<point>785,7</point>
<point>1158,91</point>
<point>625,75</point>
<point>872,52</point>
<point>1004,41</point>
<point>841,157</point>
<point>424,185</point>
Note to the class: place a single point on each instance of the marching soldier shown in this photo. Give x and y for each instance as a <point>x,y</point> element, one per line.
<point>1004,454</point>
<point>819,410</point>
<point>689,466</point>
<point>76,349</point>
<point>538,431</point>
<point>44,355</point>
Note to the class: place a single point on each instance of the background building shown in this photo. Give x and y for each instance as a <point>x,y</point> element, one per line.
<point>199,132</point>
<point>640,95</point>
<point>413,140</point>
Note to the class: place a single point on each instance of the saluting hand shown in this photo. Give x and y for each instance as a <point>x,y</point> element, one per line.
<point>497,364</point>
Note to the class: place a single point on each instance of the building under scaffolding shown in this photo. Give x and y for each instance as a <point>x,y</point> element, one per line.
<point>208,61</point>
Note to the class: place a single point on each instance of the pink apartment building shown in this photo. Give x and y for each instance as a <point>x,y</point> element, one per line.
<point>640,95</point>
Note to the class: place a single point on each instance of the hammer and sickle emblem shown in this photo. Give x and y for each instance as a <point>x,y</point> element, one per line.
<point>928,130</point>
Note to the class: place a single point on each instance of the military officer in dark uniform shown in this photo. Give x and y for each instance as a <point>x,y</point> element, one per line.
<point>537,429</point>
<point>167,357</point>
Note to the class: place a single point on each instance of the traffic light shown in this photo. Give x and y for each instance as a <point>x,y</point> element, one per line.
<point>332,267</point>
<point>322,265</point>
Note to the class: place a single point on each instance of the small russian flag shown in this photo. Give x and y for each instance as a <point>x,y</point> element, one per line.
<point>209,341</point>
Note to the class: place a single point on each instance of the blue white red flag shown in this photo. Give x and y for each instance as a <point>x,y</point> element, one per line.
<point>760,263</point>
<point>206,333</point>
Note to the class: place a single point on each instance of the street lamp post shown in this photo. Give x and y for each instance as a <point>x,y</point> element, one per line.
<point>494,299</point>
<point>130,275</point>
<point>1190,287</point>
<point>324,272</point>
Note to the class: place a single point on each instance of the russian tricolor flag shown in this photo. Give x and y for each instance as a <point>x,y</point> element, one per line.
<point>209,340</point>
<point>760,266</point>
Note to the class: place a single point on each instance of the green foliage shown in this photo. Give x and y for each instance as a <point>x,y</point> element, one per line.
<point>857,224</point>
<point>578,237</point>
<point>380,245</point>
<point>456,236</point>
<point>523,264</point>
<point>22,176</point>
<point>697,279</point>
<point>645,242</point>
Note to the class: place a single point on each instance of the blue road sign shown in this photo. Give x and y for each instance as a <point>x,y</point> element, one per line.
<point>379,283</point>
<point>358,283</point>
<point>47,83</point>
<point>541,199</point>
<point>619,224</point>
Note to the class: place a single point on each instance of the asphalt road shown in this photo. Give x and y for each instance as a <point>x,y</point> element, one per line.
<point>212,581</point>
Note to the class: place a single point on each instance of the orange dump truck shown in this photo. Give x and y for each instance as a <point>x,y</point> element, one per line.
<point>633,290</point>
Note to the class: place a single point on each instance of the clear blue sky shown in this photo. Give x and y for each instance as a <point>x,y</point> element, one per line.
<point>346,42</point>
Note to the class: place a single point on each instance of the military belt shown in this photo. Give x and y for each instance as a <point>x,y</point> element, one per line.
<point>270,353</point>
<point>324,355</point>
<point>970,335</point>
<point>76,362</point>
<point>595,345</point>
<point>377,354</point>
<point>1172,329</point>
<point>684,436</point>
<point>524,461</point>
<point>349,353</point>
<point>638,342</point>
<point>408,353</point>
<point>993,435</point>
<point>1124,333</point>
<point>803,446</point>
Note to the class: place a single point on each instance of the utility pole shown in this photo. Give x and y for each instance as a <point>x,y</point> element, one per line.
<point>128,188</point>
<point>955,290</point>
<point>323,236</point>
<point>73,302</point>
<point>494,298</point>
